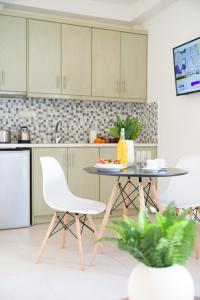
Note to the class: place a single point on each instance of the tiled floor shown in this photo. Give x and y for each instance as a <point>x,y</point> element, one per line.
<point>58,276</point>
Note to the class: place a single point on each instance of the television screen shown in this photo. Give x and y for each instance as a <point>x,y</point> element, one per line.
<point>187,67</point>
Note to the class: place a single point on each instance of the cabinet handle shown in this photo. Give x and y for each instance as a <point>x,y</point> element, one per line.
<point>124,86</point>
<point>117,86</point>
<point>3,78</point>
<point>70,159</point>
<point>57,82</point>
<point>64,160</point>
<point>64,82</point>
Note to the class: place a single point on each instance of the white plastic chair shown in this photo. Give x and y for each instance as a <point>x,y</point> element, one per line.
<point>184,190</point>
<point>58,196</point>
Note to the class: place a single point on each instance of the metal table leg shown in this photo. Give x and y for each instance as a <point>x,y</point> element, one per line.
<point>129,193</point>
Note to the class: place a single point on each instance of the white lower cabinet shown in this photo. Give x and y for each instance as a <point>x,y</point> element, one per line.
<point>40,208</point>
<point>80,182</point>
<point>107,182</point>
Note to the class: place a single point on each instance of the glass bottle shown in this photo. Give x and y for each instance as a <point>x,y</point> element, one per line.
<point>122,149</point>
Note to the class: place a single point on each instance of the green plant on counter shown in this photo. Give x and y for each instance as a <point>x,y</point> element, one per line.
<point>131,125</point>
<point>166,241</point>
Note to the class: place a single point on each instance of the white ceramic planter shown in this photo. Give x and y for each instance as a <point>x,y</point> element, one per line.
<point>171,283</point>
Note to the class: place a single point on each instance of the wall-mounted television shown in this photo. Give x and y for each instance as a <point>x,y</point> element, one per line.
<point>187,67</point>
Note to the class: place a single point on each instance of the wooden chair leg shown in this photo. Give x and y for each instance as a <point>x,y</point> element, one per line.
<point>44,243</point>
<point>90,220</point>
<point>105,220</point>
<point>80,248</point>
<point>64,232</point>
<point>141,197</point>
<point>196,247</point>
<point>155,197</point>
<point>128,190</point>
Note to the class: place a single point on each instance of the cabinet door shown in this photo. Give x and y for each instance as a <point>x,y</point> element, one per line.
<point>12,54</point>
<point>76,60</point>
<point>40,208</point>
<point>133,66</point>
<point>44,57</point>
<point>107,182</point>
<point>152,149</point>
<point>80,182</point>
<point>105,63</point>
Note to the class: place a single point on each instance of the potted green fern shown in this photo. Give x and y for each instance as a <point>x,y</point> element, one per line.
<point>162,247</point>
<point>131,125</point>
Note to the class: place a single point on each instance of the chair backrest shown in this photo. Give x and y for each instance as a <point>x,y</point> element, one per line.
<point>184,190</point>
<point>55,188</point>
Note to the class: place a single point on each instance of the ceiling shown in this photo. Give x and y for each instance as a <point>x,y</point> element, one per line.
<point>126,11</point>
<point>118,2</point>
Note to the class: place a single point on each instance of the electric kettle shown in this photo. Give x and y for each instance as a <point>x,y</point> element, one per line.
<point>24,135</point>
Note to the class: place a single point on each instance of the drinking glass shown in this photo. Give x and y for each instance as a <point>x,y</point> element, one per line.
<point>142,157</point>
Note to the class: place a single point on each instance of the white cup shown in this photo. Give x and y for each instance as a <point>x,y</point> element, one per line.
<point>161,163</point>
<point>152,164</point>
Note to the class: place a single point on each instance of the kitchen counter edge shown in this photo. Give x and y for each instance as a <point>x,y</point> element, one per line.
<point>10,146</point>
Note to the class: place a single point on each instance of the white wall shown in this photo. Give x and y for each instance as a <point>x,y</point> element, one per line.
<point>117,10</point>
<point>179,117</point>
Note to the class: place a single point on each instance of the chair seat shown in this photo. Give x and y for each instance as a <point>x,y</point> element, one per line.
<point>79,205</point>
<point>184,206</point>
<point>179,204</point>
<point>184,190</point>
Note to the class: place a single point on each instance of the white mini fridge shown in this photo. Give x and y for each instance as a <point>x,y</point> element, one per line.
<point>15,188</point>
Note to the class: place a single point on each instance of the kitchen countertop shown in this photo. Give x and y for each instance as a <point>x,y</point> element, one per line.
<point>83,145</point>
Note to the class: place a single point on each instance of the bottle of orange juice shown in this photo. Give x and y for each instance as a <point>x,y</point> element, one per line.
<point>122,149</point>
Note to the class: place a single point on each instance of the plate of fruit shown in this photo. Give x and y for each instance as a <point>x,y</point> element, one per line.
<point>109,165</point>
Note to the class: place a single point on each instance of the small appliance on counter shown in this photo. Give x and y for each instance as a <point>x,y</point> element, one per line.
<point>92,135</point>
<point>5,136</point>
<point>24,135</point>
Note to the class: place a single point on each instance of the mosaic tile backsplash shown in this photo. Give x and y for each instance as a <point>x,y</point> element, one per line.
<point>77,117</point>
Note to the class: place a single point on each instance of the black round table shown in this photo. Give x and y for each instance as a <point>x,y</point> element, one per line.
<point>129,191</point>
<point>144,192</point>
<point>137,172</point>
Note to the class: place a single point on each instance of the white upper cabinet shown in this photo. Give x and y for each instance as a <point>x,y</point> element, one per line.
<point>105,63</point>
<point>44,57</point>
<point>12,54</point>
<point>76,60</point>
<point>133,66</point>
<point>71,60</point>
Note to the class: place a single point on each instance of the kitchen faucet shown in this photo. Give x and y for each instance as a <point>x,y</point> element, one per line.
<point>58,136</point>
